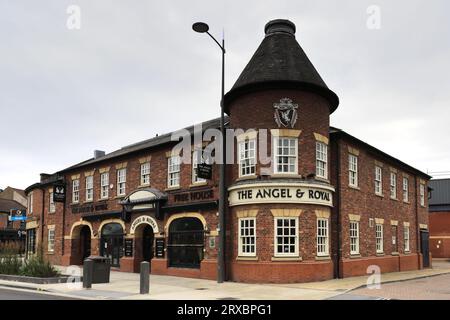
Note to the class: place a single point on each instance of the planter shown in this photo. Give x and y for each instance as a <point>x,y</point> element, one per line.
<point>60,279</point>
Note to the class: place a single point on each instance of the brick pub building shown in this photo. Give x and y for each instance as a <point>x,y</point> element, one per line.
<point>325,205</point>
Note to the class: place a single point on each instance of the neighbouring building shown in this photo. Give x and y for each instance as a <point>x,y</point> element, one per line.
<point>322,205</point>
<point>12,200</point>
<point>439,208</point>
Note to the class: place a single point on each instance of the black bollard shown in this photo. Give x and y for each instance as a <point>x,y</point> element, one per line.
<point>88,269</point>
<point>145,278</point>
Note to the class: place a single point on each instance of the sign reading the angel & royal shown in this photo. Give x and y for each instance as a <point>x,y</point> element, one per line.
<point>281,193</point>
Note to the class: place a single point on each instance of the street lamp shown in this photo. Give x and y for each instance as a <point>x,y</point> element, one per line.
<point>202,27</point>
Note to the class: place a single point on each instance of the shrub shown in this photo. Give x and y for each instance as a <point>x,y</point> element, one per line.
<point>10,261</point>
<point>37,267</point>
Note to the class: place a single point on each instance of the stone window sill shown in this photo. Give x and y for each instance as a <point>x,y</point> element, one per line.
<point>293,258</point>
<point>395,254</point>
<point>286,175</point>
<point>380,254</point>
<point>249,177</point>
<point>323,258</point>
<point>198,184</point>
<point>244,258</point>
<point>354,187</point>
<point>172,188</point>
<point>395,199</point>
<point>379,195</point>
<point>355,256</point>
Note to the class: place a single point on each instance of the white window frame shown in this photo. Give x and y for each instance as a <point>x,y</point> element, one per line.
<point>173,171</point>
<point>378,180</point>
<point>406,238</point>
<point>321,160</point>
<point>90,188</point>
<point>51,240</point>
<point>51,203</point>
<point>247,161</point>
<point>244,242</point>
<point>145,174</point>
<point>277,156</point>
<point>104,185</point>
<point>295,236</point>
<point>30,202</point>
<point>322,238</point>
<point>393,185</point>
<point>354,237</point>
<point>405,189</point>
<point>379,238</point>
<point>195,161</point>
<point>121,181</point>
<point>76,191</point>
<point>352,170</point>
<point>422,194</point>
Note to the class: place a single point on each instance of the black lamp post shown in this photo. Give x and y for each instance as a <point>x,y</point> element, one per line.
<point>202,27</point>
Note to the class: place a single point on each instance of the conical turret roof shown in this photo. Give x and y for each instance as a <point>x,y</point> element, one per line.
<point>280,62</point>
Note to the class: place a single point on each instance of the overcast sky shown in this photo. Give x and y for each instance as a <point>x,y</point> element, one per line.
<point>135,68</point>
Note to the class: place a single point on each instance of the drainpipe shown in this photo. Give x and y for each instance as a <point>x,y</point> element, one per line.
<point>417,218</point>
<point>338,212</point>
<point>42,219</point>
<point>63,221</point>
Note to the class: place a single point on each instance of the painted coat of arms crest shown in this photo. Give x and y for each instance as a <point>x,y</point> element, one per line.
<point>285,113</point>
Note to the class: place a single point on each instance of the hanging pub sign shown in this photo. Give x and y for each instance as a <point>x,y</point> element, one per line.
<point>59,193</point>
<point>204,171</point>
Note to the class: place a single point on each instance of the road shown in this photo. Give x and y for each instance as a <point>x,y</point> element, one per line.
<point>431,288</point>
<point>19,294</point>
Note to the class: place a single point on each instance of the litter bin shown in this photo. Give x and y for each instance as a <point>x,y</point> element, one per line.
<point>101,269</point>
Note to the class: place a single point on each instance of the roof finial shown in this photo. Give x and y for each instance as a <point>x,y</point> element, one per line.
<point>279,25</point>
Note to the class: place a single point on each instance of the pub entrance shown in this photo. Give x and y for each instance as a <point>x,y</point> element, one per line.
<point>111,244</point>
<point>147,243</point>
<point>85,243</point>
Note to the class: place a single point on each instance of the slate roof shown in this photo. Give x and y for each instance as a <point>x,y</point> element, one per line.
<point>279,61</point>
<point>146,144</point>
<point>339,132</point>
<point>6,205</point>
<point>441,192</point>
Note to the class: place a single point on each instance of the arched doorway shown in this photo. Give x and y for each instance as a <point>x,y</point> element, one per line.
<point>111,244</point>
<point>147,243</point>
<point>186,243</point>
<point>85,243</point>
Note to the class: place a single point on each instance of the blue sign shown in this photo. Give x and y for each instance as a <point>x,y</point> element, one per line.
<point>18,215</point>
<point>17,218</point>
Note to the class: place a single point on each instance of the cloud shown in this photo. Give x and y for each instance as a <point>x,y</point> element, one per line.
<point>65,93</point>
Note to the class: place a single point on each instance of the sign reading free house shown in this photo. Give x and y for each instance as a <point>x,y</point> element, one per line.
<point>281,193</point>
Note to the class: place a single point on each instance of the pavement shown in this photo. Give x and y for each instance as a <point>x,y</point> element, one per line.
<point>125,286</point>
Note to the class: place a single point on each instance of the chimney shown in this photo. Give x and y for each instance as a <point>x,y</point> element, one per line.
<point>44,176</point>
<point>98,154</point>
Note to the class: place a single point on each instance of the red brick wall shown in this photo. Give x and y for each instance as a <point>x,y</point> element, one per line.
<point>440,234</point>
<point>256,111</point>
<point>364,202</point>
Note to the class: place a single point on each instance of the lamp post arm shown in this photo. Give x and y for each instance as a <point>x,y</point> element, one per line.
<point>221,47</point>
